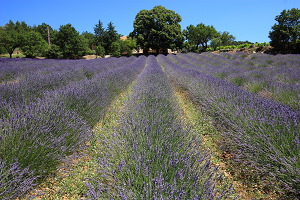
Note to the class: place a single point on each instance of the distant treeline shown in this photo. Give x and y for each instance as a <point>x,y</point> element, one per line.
<point>157,29</point>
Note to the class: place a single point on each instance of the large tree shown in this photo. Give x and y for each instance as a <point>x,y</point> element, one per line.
<point>105,37</point>
<point>222,39</point>
<point>12,35</point>
<point>157,28</point>
<point>69,42</point>
<point>99,32</point>
<point>110,36</point>
<point>285,34</point>
<point>33,44</point>
<point>200,35</point>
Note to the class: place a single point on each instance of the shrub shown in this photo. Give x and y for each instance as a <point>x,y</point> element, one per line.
<point>100,51</point>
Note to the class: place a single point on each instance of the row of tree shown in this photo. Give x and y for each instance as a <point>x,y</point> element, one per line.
<point>43,40</point>
<point>157,29</point>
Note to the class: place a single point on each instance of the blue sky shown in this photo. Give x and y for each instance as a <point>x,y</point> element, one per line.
<point>245,19</point>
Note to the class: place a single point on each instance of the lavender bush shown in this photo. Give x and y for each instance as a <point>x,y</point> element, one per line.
<point>38,135</point>
<point>14,181</point>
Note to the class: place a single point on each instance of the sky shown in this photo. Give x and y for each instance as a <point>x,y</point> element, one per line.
<point>245,19</point>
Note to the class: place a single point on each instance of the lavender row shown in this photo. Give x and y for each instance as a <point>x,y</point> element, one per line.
<point>274,81</point>
<point>152,155</point>
<point>266,133</point>
<point>16,69</point>
<point>35,136</point>
<point>55,75</point>
<point>274,68</point>
<point>90,98</point>
<point>279,69</point>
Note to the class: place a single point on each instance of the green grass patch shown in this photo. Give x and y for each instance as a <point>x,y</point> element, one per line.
<point>255,87</point>
<point>288,97</point>
<point>238,80</point>
<point>221,75</point>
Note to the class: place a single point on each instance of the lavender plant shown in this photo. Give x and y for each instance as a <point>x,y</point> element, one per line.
<point>14,181</point>
<point>38,135</point>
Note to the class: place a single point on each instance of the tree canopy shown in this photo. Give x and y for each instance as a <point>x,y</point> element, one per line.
<point>43,30</point>
<point>111,36</point>
<point>200,35</point>
<point>33,44</point>
<point>222,39</point>
<point>12,35</point>
<point>69,41</point>
<point>106,37</point>
<point>285,34</point>
<point>157,28</point>
<point>99,32</point>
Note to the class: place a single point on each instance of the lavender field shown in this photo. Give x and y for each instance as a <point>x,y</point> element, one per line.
<point>247,107</point>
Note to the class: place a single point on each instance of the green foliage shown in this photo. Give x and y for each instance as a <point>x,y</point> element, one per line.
<point>54,52</point>
<point>70,43</point>
<point>157,28</point>
<point>226,38</point>
<point>215,43</point>
<point>221,39</point>
<point>200,35</point>
<point>214,47</point>
<point>285,34</point>
<point>33,44</point>
<point>240,42</point>
<point>43,30</point>
<point>115,49</point>
<point>255,87</point>
<point>264,44</point>
<point>99,34</point>
<point>110,37</point>
<point>238,80</point>
<point>105,37</point>
<point>127,46</point>
<point>89,39</point>
<point>100,51</point>
<point>12,35</point>
<point>2,50</point>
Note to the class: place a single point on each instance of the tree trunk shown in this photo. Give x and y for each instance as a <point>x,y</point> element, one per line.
<point>157,51</point>
<point>10,51</point>
<point>145,51</point>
